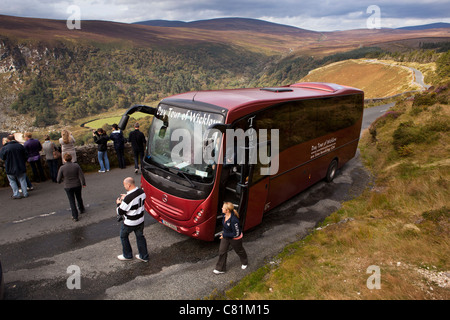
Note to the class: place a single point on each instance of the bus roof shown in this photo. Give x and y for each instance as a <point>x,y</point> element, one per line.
<point>239,99</point>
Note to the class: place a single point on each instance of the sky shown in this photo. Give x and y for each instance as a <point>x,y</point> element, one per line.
<point>318,15</point>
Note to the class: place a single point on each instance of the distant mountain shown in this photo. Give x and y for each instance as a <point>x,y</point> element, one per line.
<point>163,23</point>
<point>235,24</point>
<point>427,26</point>
<point>50,73</point>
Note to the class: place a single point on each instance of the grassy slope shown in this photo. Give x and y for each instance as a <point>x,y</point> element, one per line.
<point>377,80</point>
<point>401,224</point>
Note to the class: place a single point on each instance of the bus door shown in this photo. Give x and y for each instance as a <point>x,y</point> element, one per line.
<point>258,189</point>
<point>248,198</point>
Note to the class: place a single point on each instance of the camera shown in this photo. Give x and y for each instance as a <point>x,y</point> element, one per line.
<point>119,217</point>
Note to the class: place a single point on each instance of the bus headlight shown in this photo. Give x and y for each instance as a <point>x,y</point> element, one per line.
<point>199,215</point>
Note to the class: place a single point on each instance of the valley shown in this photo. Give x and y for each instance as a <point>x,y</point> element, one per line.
<point>52,77</point>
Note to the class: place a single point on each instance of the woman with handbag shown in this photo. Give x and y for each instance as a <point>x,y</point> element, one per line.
<point>232,235</point>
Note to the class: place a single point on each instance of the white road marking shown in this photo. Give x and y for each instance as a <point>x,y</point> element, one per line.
<point>31,218</point>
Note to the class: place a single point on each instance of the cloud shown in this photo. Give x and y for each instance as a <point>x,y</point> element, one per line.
<point>315,15</point>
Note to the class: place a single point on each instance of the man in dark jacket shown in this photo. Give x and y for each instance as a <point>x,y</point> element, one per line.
<point>138,141</point>
<point>119,144</point>
<point>15,156</point>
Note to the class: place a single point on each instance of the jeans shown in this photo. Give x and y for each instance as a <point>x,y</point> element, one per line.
<point>138,156</point>
<point>121,157</point>
<point>53,167</point>
<point>140,240</point>
<point>103,155</point>
<point>73,193</point>
<point>38,171</point>
<point>22,178</point>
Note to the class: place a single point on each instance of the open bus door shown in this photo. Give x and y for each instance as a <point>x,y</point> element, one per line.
<point>256,200</point>
<point>244,185</point>
<point>248,193</point>
<point>258,189</point>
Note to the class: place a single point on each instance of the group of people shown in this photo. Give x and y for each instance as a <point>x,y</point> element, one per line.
<point>130,209</point>
<point>130,206</point>
<point>16,155</point>
<point>136,138</point>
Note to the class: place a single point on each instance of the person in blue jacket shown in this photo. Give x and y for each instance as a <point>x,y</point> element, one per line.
<point>119,144</point>
<point>231,235</point>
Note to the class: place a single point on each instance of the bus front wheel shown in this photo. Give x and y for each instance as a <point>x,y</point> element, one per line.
<point>331,172</point>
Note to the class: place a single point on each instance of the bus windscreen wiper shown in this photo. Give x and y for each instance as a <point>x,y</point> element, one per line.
<point>182,174</point>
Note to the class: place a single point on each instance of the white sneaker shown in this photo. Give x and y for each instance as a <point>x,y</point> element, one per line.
<point>139,258</point>
<point>244,266</point>
<point>218,272</point>
<point>122,258</point>
<point>101,171</point>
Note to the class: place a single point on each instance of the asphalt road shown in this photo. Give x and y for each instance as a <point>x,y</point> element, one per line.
<point>42,250</point>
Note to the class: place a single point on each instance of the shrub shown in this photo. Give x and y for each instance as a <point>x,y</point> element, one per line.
<point>407,133</point>
<point>425,99</point>
<point>405,151</point>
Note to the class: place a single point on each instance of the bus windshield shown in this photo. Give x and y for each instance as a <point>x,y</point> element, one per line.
<point>177,140</point>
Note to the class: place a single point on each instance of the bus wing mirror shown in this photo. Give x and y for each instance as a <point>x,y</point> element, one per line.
<point>123,122</point>
<point>220,126</point>
<point>135,108</point>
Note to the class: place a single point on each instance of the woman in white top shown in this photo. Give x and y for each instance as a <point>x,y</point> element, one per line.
<point>67,145</point>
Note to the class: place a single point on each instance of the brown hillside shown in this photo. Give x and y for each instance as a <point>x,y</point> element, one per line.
<point>375,79</point>
<point>262,36</point>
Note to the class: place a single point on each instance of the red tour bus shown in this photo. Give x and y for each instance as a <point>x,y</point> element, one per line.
<point>273,143</point>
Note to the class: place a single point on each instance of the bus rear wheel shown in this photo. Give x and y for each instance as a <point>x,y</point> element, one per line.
<point>331,172</point>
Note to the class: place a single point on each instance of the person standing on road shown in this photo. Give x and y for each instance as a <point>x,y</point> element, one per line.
<point>138,141</point>
<point>15,157</point>
<point>232,235</point>
<point>33,148</point>
<point>119,144</point>
<point>101,138</point>
<point>130,207</point>
<point>52,162</point>
<point>74,180</point>
<point>67,142</point>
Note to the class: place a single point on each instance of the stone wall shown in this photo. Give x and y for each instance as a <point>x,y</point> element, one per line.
<point>86,158</point>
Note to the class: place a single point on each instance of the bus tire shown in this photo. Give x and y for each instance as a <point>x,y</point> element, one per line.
<point>332,169</point>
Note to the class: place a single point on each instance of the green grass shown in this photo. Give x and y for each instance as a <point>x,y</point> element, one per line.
<point>99,123</point>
